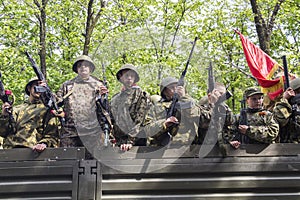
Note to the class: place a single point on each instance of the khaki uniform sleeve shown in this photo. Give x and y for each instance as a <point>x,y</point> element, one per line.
<point>50,132</point>
<point>5,127</point>
<point>282,112</point>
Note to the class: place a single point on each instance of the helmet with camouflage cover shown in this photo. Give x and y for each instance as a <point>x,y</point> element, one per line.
<point>165,82</point>
<point>28,85</point>
<point>84,58</point>
<point>295,83</point>
<point>128,67</point>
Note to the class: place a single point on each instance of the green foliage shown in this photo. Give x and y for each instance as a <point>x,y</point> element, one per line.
<point>155,36</point>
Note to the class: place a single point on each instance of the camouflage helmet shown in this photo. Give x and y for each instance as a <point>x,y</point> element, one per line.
<point>128,67</point>
<point>295,83</point>
<point>84,58</point>
<point>165,82</point>
<point>30,82</point>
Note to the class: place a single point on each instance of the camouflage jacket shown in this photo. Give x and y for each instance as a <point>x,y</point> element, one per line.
<point>79,104</point>
<point>33,124</point>
<point>129,108</point>
<point>288,118</point>
<point>214,124</point>
<point>263,128</point>
<point>187,114</point>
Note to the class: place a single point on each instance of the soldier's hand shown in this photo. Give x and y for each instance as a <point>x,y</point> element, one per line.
<point>39,147</point>
<point>59,113</point>
<point>42,83</point>
<point>171,121</point>
<point>243,128</point>
<point>5,107</point>
<point>214,96</point>
<point>180,91</point>
<point>289,93</point>
<point>103,90</point>
<point>125,147</point>
<point>235,144</point>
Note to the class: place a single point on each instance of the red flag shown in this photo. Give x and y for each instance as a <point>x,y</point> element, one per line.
<point>262,67</point>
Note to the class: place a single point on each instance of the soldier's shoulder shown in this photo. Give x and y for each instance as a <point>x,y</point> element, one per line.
<point>94,78</point>
<point>115,96</point>
<point>69,82</point>
<point>155,98</point>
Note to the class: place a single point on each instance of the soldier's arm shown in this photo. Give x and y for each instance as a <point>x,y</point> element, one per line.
<point>154,123</point>
<point>50,135</point>
<point>282,112</point>
<point>6,126</point>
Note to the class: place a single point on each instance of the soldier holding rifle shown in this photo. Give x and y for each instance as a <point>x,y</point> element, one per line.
<point>78,97</point>
<point>179,128</point>
<point>259,125</point>
<point>287,113</point>
<point>33,125</point>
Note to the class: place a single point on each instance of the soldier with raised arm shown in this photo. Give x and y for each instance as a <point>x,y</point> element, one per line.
<point>33,125</point>
<point>287,113</point>
<point>178,129</point>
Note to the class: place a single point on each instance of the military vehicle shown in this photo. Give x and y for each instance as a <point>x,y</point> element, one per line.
<point>197,172</point>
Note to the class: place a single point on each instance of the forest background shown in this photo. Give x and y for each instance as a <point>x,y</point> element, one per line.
<point>155,36</point>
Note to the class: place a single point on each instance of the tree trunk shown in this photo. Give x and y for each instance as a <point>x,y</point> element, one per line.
<point>264,29</point>
<point>42,23</point>
<point>91,22</point>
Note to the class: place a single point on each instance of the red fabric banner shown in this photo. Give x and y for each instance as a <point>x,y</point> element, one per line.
<point>262,67</point>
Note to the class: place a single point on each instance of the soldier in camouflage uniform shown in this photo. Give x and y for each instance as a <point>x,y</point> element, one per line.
<point>1,141</point>
<point>261,127</point>
<point>78,97</point>
<point>286,112</point>
<point>129,108</point>
<point>216,117</point>
<point>179,129</point>
<point>33,125</point>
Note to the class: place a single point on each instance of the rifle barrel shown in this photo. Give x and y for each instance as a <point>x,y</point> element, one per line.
<point>286,73</point>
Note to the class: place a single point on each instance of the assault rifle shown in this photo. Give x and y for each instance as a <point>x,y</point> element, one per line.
<point>294,102</point>
<point>286,73</point>
<point>46,94</point>
<point>173,109</point>
<point>243,120</point>
<point>165,138</point>
<point>105,117</point>
<point>211,85</point>
<point>7,97</point>
<point>296,99</point>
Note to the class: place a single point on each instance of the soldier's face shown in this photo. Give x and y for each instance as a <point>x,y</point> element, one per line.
<point>255,101</point>
<point>170,90</point>
<point>83,69</point>
<point>127,78</point>
<point>34,94</point>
